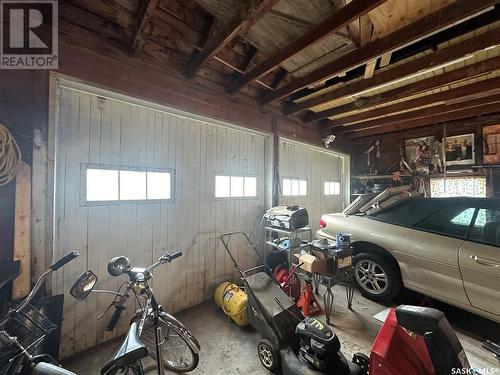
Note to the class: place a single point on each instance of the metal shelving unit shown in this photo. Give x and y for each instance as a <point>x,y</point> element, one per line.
<point>290,233</point>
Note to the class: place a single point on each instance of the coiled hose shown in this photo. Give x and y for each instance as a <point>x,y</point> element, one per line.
<point>10,156</point>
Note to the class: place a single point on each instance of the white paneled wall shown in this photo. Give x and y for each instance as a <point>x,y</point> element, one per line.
<point>305,162</point>
<point>93,129</point>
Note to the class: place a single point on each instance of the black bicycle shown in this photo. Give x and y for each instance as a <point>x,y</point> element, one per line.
<point>23,329</point>
<point>152,332</point>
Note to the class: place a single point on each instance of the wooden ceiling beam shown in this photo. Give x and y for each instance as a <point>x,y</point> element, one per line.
<point>329,26</point>
<point>429,84</point>
<point>144,14</point>
<point>238,26</point>
<point>477,110</point>
<point>397,72</point>
<point>426,44</point>
<point>491,119</point>
<point>412,68</point>
<point>445,17</point>
<point>443,107</point>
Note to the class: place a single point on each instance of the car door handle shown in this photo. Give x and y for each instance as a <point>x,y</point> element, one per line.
<point>483,262</point>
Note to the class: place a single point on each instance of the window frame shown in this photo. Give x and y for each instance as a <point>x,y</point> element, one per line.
<point>469,231</point>
<point>257,190</point>
<point>451,178</point>
<point>83,184</point>
<point>298,179</point>
<point>330,183</point>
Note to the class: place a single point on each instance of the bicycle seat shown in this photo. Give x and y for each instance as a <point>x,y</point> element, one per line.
<point>130,351</point>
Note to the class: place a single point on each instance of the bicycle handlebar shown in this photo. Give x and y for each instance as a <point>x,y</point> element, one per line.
<point>61,262</point>
<point>114,319</point>
<point>65,259</point>
<point>173,256</point>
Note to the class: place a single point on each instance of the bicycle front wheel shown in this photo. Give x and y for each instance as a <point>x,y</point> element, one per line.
<point>177,355</point>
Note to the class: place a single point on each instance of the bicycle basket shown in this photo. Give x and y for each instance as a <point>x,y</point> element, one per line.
<point>28,326</point>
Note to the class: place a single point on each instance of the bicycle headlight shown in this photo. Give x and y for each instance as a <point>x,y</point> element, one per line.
<point>118,265</point>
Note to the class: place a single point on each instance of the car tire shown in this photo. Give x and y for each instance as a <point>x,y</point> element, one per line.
<point>376,277</point>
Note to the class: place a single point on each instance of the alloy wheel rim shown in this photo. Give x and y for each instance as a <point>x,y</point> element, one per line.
<point>371,277</point>
<point>265,355</point>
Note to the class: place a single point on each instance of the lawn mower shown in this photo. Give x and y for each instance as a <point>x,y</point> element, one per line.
<point>302,345</point>
<point>412,341</point>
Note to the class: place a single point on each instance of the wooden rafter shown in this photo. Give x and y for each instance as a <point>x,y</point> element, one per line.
<point>425,44</point>
<point>241,24</point>
<point>491,119</point>
<point>430,24</point>
<point>399,72</point>
<point>423,112</point>
<point>440,117</point>
<point>146,10</point>
<point>464,73</point>
<point>332,24</point>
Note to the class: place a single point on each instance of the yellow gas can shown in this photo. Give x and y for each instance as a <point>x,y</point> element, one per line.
<point>233,301</point>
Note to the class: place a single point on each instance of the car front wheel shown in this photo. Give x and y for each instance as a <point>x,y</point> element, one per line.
<point>376,277</point>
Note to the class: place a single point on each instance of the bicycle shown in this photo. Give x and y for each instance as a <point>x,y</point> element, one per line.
<point>153,332</point>
<point>23,329</point>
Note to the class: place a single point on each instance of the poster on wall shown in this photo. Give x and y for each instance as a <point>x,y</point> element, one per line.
<point>491,136</point>
<point>418,150</point>
<point>459,149</point>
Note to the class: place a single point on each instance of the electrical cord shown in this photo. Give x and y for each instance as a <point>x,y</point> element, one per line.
<point>10,156</point>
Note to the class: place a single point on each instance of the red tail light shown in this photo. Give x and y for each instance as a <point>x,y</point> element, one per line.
<point>322,223</point>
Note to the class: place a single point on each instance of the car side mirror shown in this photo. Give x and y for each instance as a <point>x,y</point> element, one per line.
<point>83,285</point>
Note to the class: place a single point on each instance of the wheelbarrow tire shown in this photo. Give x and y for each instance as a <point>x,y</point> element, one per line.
<point>268,355</point>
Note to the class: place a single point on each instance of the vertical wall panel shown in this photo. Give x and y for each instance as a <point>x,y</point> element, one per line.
<point>92,129</point>
<point>310,163</point>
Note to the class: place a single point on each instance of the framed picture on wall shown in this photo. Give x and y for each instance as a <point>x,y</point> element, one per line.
<point>418,150</point>
<point>460,149</point>
<point>491,145</point>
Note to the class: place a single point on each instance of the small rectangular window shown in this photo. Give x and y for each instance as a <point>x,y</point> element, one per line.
<point>294,187</point>
<point>235,186</point>
<point>102,185</point>
<point>474,186</point>
<point>332,188</point>
<point>114,185</point>
<point>132,185</point>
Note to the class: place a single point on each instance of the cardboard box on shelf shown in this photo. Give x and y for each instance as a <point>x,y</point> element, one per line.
<point>314,262</point>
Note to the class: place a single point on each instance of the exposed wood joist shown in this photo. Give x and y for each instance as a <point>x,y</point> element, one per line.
<point>456,75</point>
<point>404,71</point>
<point>220,40</point>
<point>279,77</point>
<point>332,24</point>
<point>428,43</point>
<point>415,123</point>
<point>430,24</point>
<point>146,10</point>
<point>490,119</point>
<point>423,112</point>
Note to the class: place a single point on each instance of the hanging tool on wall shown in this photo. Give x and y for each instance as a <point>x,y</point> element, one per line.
<point>375,146</point>
<point>10,156</point>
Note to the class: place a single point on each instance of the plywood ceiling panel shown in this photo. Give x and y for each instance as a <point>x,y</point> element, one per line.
<point>287,21</point>
<point>394,14</point>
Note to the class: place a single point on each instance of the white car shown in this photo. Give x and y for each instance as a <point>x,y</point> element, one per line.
<point>446,248</point>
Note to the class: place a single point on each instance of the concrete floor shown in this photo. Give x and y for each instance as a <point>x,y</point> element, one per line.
<point>228,349</point>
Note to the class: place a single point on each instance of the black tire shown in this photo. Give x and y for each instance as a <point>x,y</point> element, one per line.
<point>368,269</point>
<point>268,356</point>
